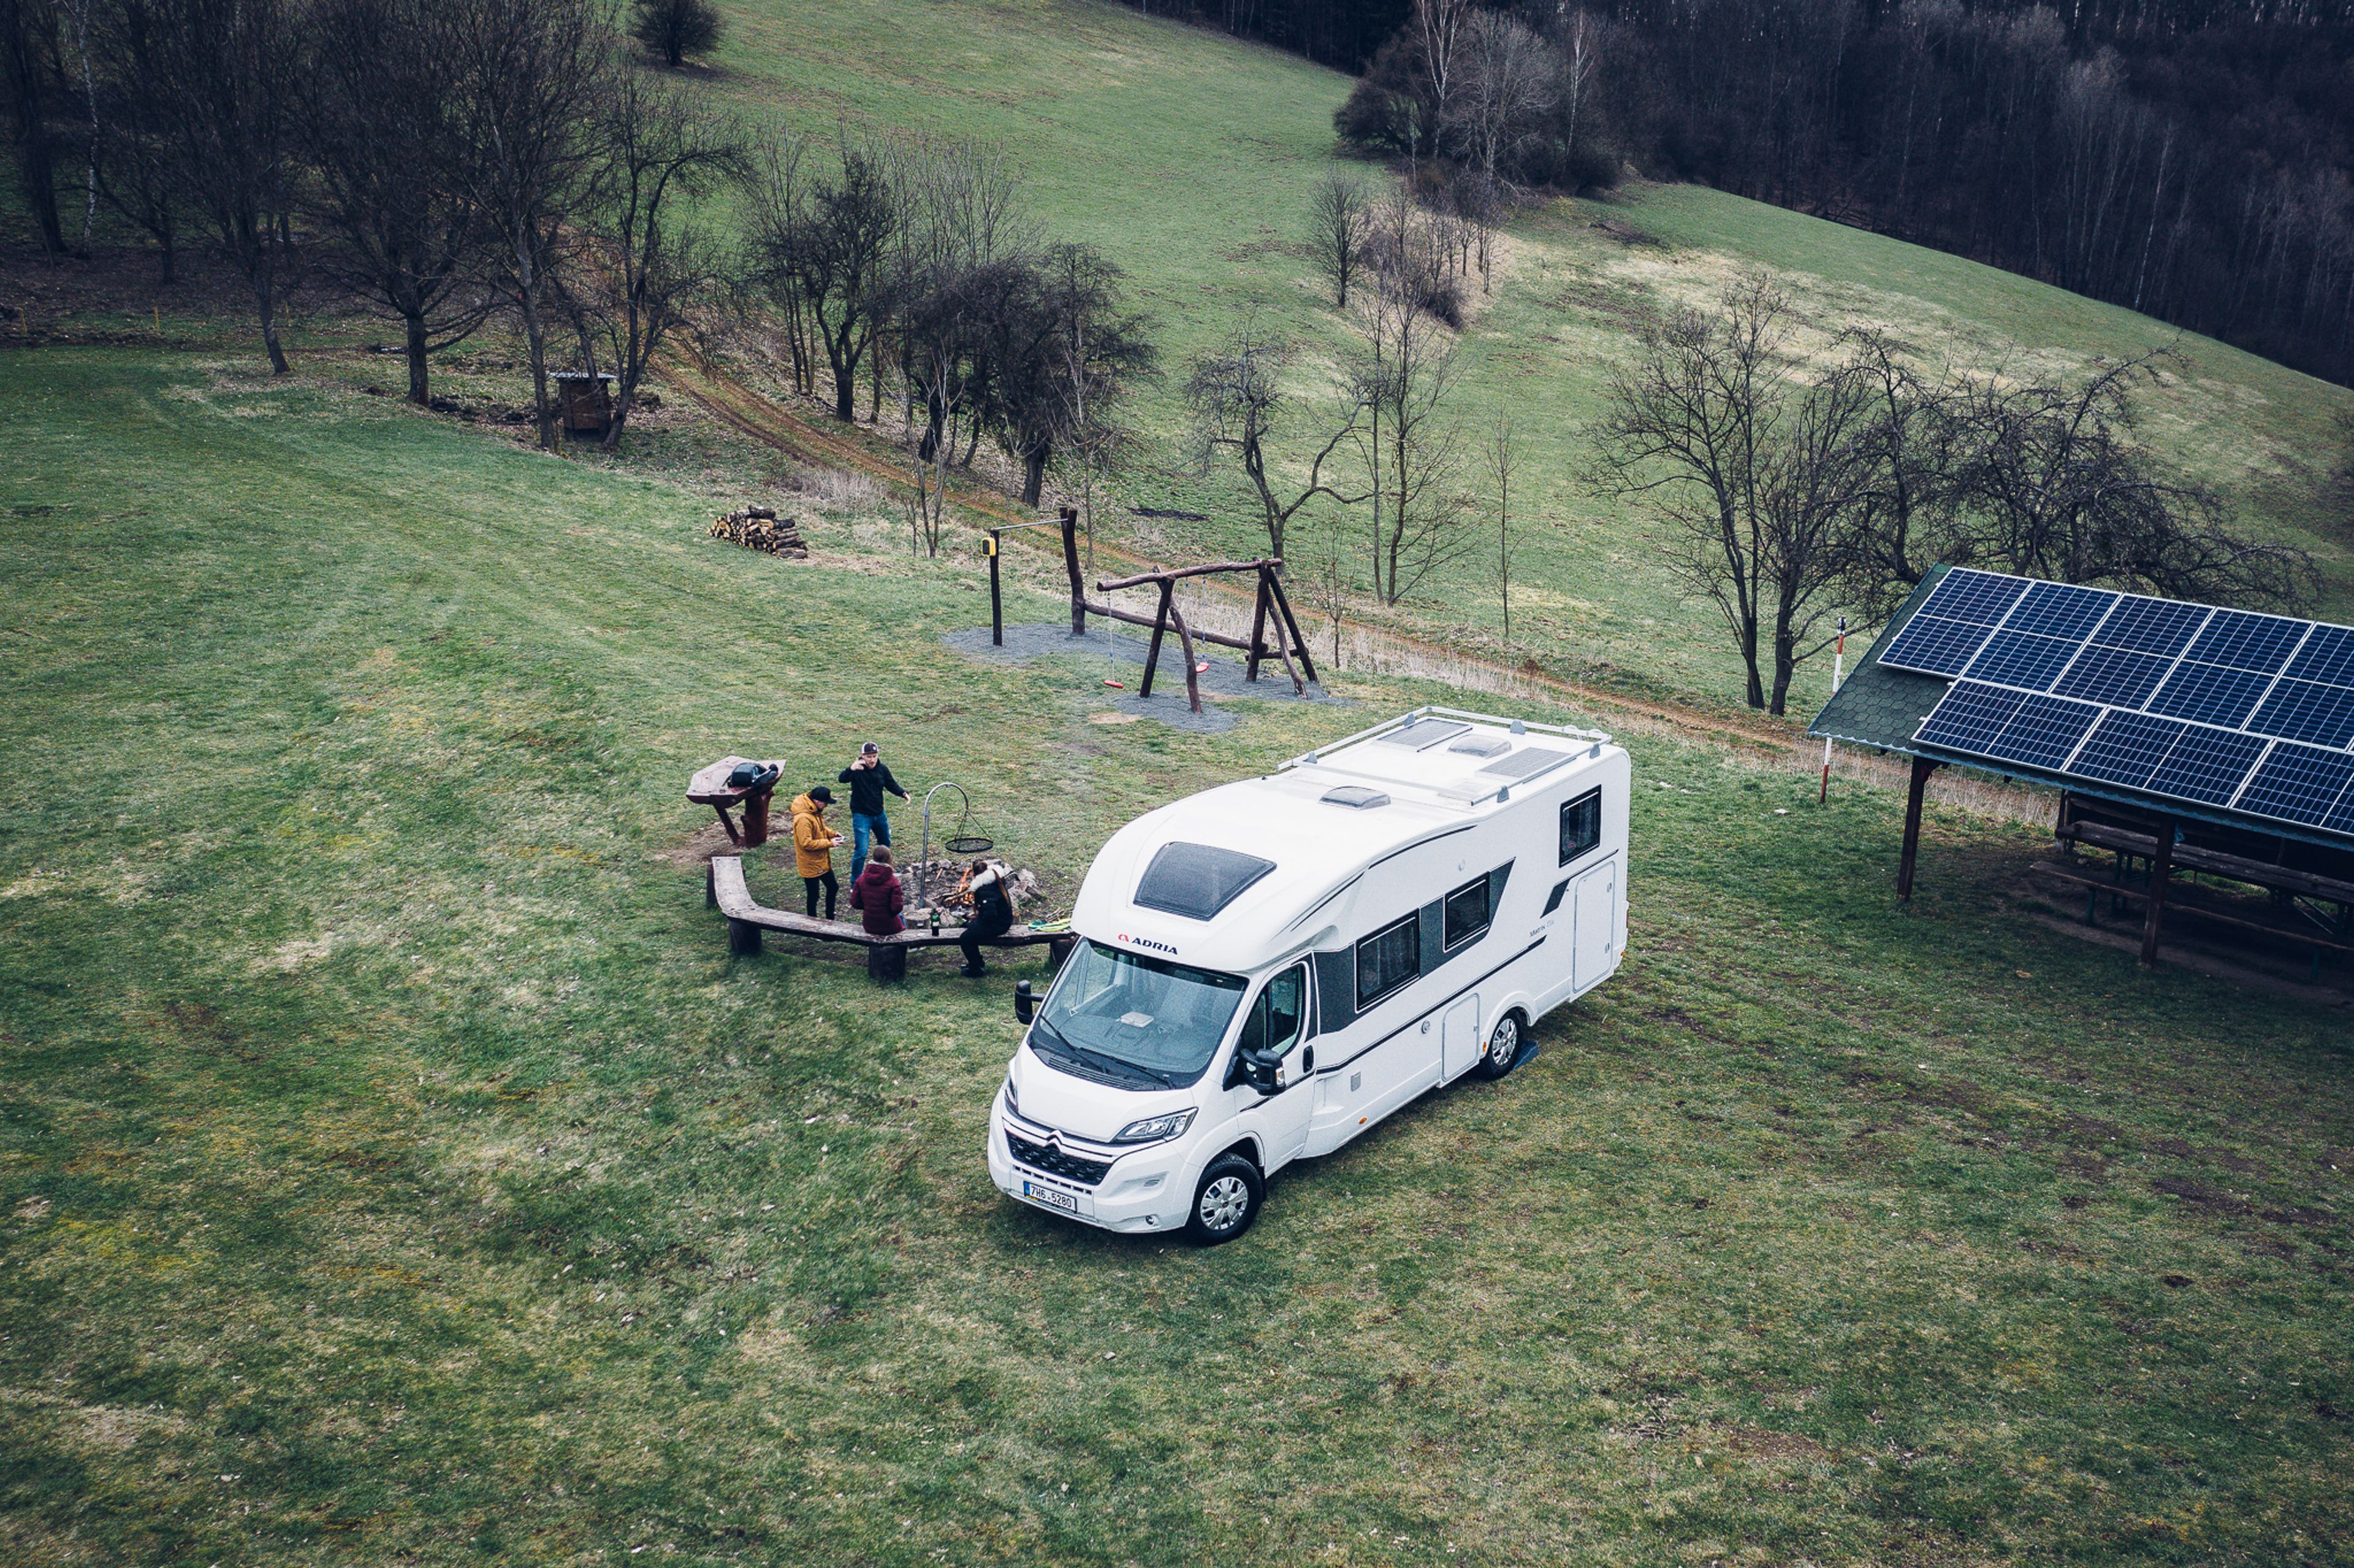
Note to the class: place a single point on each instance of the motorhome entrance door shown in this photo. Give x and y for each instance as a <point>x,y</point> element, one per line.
<point>1459,1039</point>
<point>1595,911</point>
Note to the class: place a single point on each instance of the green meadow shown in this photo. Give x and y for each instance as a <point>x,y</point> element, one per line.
<point>394,1167</point>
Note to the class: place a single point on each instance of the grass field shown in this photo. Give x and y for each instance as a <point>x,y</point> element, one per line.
<point>394,1167</point>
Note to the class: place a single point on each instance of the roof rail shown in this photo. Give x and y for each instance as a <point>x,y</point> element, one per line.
<point>1518,727</point>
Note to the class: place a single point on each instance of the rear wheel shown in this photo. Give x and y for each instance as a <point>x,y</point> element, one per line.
<point>1227,1200</point>
<point>1504,1046</point>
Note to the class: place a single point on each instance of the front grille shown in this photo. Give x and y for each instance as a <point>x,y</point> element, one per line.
<point>1055,1162</point>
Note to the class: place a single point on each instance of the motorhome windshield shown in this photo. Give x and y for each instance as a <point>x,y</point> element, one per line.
<point>1165,1019</point>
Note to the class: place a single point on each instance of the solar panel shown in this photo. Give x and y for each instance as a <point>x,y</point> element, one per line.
<point>2304,710</point>
<point>1981,597</point>
<point>2045,732</point>
<point>2207,765</point>
<point>2327,656</point>
<point>2060,609</point>
<point>2021,659</point>
<point>2297,784</point>
<point>2160,626</point>
<point>2112,676</point>
<point>1969,716</point>
<point>2126,748</point>
<point>2209,693</point>
<point>2245,642</point>
<point>1936,646</point>
<point>2222,707</point>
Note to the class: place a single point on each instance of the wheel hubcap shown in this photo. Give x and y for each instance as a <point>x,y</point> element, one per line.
<point>1223,1203</point>
<point>1504,1044</point>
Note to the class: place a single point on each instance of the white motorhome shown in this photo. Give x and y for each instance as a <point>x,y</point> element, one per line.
<point>1266,969</point>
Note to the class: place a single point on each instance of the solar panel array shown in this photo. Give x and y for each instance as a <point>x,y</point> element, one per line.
<point>2221,707</point>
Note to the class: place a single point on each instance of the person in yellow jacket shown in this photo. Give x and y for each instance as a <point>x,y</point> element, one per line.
<point>813,846</point>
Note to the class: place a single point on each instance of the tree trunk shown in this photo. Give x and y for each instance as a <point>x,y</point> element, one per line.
<point>845,388</point>
<point>1033,476</point>
<point>266,301</point>
<point>417,393</point>
<point>535,334</point>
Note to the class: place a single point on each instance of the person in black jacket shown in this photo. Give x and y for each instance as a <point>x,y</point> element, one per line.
<point>992,913</point>
<point>867,777</point>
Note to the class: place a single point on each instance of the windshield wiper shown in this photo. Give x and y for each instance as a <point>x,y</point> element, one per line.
<point>1101,1060</point>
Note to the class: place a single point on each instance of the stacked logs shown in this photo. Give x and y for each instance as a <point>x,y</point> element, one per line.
<point>759,529</point>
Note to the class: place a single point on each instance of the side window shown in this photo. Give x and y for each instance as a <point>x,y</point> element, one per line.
<point>1469,909</point>
<point>1280,1009</point>
<point>1387,960</point>
<point>1581,825</point>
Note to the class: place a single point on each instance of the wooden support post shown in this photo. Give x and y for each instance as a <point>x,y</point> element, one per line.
<point>1185,646</point>
<point>1258,630</point>
<point>2161,866</point>
<point>743,938</point>
<point>1283,604</point>
<point>996,599</point>
<point>1922,768</point>
<point>1071,564</point>
<point>710,886</point>
<point>886,962</point>
<point>1152,653</point>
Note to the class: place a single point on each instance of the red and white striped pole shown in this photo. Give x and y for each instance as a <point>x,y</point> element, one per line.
<point>1838,678</point>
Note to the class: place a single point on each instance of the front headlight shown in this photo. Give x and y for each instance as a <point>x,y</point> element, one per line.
<point>1012,1100</point>
<point>1155,1129</point>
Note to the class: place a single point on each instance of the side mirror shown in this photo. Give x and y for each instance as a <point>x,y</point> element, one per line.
<point>1261,1071</point>
<point>1025,1005</point>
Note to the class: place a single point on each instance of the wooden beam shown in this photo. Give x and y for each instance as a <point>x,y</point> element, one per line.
<point>1152,653</point>
<point>1070,520</point>
<point>1140,579</point>
<point>1185,645</point>
<point>1922,768</point>
<point>2161,867</point>
<point>1258,630</point>
<point>1283,605</point>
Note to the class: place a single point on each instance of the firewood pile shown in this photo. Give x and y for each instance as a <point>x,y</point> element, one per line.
<point>759,529</point>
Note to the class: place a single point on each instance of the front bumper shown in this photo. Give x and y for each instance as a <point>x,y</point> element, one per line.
<point>1143,1192</point>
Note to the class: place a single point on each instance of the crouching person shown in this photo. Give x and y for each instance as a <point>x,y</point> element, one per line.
<point>992,912</point>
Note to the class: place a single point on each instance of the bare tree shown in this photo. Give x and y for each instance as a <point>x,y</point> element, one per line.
<point>664,150</point>
<point>1913,447</point>
<point>1810,480</point>
<point>1439,27</point>
<point>528,72</point>
<point>382,128</point>
<point>775,189</point>
<point>135,163</point>
<point>1338,215</point>
<point>1503,457</point>
<point>28,66</point>
<point>1064,327</point>
<point>225,84</point>
<point>2055,486</point>
<point>1685,431</point>
<point>1235,395</point>
<point>1508,83</point>
<point>1403,369</point>
<point>677,29</point>
<point>837,255</point>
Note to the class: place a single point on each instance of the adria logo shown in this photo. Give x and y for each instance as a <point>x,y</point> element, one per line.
<point>1148,942</point>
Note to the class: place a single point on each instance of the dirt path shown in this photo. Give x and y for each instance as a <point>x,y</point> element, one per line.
<point>751,413</point>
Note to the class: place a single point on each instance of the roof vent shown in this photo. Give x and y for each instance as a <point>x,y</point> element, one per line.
<point>1421,735</point>
<point>1482,746</point>
<point>1197,880</point>
<point>1355,796</point>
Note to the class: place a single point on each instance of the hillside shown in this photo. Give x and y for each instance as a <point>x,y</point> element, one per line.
<point>394,1167</point>
<point>1189,156</point>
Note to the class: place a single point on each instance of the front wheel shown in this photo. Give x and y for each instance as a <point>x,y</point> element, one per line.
<point>1504,1046</point>
<point>1227,1200</point>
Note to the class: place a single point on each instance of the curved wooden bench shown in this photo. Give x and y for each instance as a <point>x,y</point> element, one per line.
<point>887,956</point>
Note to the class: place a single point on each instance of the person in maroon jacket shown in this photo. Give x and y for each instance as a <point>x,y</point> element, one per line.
<point>878,896</point>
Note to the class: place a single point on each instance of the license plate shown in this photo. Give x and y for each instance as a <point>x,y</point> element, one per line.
<point>1051,1198</point>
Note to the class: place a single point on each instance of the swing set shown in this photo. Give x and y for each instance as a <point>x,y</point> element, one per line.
<point>1271,611</point>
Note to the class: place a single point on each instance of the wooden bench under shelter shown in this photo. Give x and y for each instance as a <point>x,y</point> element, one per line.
<point>887,956</point>
<point>2148,872</point>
